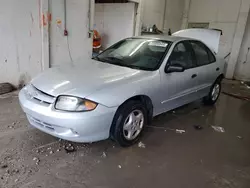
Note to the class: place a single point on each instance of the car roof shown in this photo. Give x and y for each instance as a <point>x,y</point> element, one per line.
<point>164,37</point>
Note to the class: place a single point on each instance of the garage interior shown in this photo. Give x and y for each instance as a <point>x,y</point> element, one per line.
<point>181,148</point>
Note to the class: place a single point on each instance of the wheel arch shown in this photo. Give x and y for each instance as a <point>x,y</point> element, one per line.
<point>144,99</point>
<point>220,77</point>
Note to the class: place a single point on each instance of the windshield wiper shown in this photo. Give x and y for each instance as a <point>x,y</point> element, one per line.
<point>131,66</point>
<point>99,59</point>
<point>114,59</point>
<point>96,58</point>
<point>139,68</point>
<point>122,63</point>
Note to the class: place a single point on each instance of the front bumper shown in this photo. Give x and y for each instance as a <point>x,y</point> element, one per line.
<point>73,126</point>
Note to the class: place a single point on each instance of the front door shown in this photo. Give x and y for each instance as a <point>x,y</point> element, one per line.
<point>180,88</point>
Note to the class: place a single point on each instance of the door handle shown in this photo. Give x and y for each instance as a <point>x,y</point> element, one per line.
<point>194,76</point>
<point>217,69</point>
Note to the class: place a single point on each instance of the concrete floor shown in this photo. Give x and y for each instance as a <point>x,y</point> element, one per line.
<point>196,159</point>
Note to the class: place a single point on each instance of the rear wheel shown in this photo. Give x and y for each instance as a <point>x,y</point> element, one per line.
<point>214,93</point>
<point>128,123</point>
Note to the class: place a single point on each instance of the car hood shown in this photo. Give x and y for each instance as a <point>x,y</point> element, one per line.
<point>84,79</point>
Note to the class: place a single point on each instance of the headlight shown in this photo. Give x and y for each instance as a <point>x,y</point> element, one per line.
<point>74,104</point>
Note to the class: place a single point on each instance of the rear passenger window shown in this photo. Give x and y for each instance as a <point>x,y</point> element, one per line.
<point>211,56</point>
<point>203,55</point>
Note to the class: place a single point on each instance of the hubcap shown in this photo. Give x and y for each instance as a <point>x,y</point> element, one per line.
<point>215,92</point>
<point>133,125</point>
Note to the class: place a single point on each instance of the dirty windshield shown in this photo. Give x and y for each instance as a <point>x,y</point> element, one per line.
<point>137,53</point>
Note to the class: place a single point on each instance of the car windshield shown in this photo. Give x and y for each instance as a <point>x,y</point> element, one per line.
<point>136,53</point>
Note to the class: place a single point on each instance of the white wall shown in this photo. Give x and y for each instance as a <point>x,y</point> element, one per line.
<point>231,17</point>
<point>165,14</point>
<point>220,14</point>
<point>242,71</point>
<point>153,13</point>
<point>20,40</point>
<point>173,15</point>
<point>24,37</point>
<point>78,45</point>
<point>114,21</point>
<point>22,34</point>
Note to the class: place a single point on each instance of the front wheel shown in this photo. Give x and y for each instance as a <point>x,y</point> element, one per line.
<point>213,94</point>
<point>128,123</point>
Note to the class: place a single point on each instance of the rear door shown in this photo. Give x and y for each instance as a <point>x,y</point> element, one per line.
<point>207,69</point>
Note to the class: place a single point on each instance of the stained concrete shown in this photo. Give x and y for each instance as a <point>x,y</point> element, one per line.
<point>200,158</point>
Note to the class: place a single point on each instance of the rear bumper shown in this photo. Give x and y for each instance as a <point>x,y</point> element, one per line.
<point>77,127</point>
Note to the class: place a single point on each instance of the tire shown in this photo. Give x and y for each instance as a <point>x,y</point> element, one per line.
<point>128,119</point>
<point>212,97</point>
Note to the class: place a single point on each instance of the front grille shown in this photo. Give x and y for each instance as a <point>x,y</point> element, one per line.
<point>44,92</point>
<point>42,97</point>
<point>40,101</point>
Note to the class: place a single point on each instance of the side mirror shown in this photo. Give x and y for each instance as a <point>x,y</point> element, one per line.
<point>175,68</point>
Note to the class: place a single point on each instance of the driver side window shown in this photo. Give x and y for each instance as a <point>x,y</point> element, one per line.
<point>181,55</point>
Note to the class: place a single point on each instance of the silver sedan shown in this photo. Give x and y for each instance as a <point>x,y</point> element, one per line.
<point>116,94</point>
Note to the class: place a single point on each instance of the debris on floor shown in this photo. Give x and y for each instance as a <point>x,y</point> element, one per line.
<point>69,148</point>
<point>36,160</point>
<point>141,145</point>
<point>4,166</point>
<point>218,129</point>
<point>18,169</point>
<point>247,84</point>
<point>10,172</point>
<point>104,155</point>
<point>180,131</point>
<point>198,127</point>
